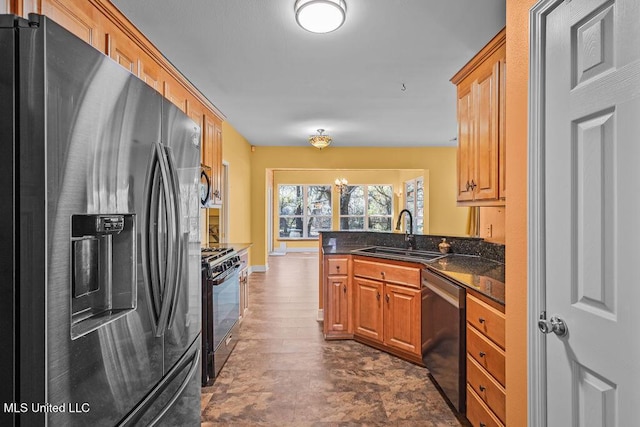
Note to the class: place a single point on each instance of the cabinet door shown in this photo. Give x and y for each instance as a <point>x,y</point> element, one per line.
<point>78,17</point>
<point>402,314</point>
<point>465,145</point>
<point>337,318</point>
<point>502,133</point>
<point>217,165</point>
<point>121,50</point>
<point>485,94</point>
<point>368,308</point>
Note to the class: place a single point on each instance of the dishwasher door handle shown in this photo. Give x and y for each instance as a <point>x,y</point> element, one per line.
<point>447,290</point>
<point>444,295</point>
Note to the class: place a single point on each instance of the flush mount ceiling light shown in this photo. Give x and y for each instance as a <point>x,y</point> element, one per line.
<point>320,16</point>
<point>320,141</point>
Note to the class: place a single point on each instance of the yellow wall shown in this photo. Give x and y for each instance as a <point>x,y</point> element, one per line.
<point>393,177</point>
<point>236,151</point>
<point>516,212</point>
<point>445,217</point>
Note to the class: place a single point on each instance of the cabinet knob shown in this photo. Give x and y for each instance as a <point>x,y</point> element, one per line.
<point>382,274</point>
<point>338,267</point>
<point>481,320</point>
<point>468,186</point>
<point>378,296</point>
<point>387,297</point>
<point>344,288</point>
<point>482,388</point>
<point>483,425</point>
<point>483,354</point>
<point>473,185</point>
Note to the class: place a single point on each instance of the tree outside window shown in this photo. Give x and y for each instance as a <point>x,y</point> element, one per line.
<point>304,210</point>
<point>366,207</point>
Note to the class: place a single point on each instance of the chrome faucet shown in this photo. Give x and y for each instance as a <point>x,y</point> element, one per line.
<point>408,237</point>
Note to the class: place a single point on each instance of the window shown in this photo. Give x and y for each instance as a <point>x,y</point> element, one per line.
<point>304,210</point>
<point>366,207</point>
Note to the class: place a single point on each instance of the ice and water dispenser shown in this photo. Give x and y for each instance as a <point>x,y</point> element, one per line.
<point>103,270</point>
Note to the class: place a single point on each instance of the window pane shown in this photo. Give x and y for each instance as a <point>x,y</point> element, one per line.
<point>378,223</point>
<point>352,200</point>
<point>352,223</point>
<point>319,200</point>
<point>290,227</point>
<point>380,199</point>
<point>290,199</point>
<point>318,223</point>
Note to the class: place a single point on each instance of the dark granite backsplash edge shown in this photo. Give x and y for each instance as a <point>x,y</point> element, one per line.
<point>429,242</point>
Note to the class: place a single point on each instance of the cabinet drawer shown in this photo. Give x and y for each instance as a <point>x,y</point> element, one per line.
<point>486,319</point>
<point>487,388</point>
<point>478,413</point>
<point>337,266</point>
<point>486,353</point>
<point>392,273</point>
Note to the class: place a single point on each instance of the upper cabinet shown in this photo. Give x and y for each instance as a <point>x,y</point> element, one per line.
<point>481,136</point>
<point>100,23</point>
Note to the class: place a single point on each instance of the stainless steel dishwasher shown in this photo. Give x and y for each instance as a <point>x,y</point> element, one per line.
<point>444,326</point>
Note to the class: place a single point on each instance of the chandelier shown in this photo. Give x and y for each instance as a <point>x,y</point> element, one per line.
<point>341,185</point>
<point>320,16</point>
<point>320,141</point>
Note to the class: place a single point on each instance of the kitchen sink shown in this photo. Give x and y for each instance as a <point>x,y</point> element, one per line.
<point>399,253</point>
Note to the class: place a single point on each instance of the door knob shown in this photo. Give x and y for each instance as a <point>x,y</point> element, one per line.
<point>555,325</point>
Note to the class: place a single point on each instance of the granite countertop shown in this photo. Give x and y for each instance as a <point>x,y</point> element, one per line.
<point>480,274</point>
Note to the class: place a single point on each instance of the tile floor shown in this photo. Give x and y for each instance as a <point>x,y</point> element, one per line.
<point>283,373</point>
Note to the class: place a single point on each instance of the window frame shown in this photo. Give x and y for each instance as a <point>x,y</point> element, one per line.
<point>366,216</point>
<point>305,216</point>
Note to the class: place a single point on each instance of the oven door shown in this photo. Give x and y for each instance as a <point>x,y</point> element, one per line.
<point>226,306</point>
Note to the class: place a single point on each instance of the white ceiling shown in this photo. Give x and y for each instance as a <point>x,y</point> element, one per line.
<point>277,83</point>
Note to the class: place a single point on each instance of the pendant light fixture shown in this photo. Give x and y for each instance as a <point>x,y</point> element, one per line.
<point>320,140</point>
<point>320,16</point>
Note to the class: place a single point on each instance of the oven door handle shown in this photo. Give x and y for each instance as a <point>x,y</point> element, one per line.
<point>222,278</point>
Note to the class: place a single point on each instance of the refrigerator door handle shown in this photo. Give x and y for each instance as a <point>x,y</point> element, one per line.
<point>173,240</point>
<point>150,239</point>
<point>173,171</point>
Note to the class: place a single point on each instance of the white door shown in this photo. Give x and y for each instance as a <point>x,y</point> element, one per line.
<point>585,207</point>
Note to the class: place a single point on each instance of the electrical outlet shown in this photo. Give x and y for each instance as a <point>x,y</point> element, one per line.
<point>489,232</point>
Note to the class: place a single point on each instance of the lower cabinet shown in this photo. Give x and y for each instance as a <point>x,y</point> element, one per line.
<point>388,314</point>
<point>338,322</point>
<point>402,318</point>
<point>244,283</point>
<point>368,316</point>
<point>486,394</point>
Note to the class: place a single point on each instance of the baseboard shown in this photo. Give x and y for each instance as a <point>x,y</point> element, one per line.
<point>259,268</point>
<point>315,249</point>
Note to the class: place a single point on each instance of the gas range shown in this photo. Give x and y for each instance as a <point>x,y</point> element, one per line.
<point>217,261</point>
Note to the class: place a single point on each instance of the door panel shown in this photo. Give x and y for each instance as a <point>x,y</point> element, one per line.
<point>101,124</point>
<point>368,308</point>
<point>182,137</point>
<point>591,110</point>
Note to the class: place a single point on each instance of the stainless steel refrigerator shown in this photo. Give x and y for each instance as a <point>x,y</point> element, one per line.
<point>100,262</point>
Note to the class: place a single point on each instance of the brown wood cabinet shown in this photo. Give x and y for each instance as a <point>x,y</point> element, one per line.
<point>388,306</point>
<point>101,24</point>
<point>368,315</point>
<point>244,282</point>
<point>486,394</point>
<point>338,322</point>
<point>481,135</point>
<point>212,155</point>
